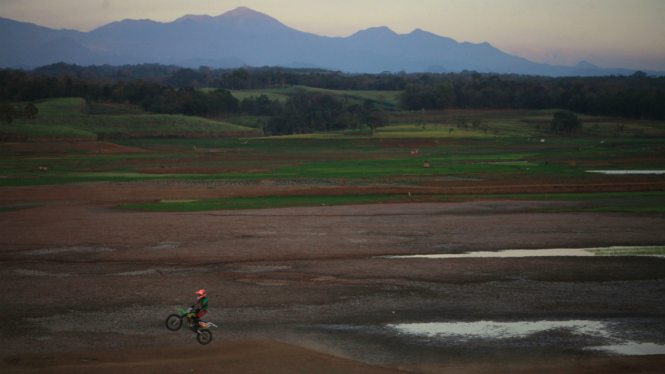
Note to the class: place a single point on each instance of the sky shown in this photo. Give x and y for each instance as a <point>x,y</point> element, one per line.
<point>608,33</point>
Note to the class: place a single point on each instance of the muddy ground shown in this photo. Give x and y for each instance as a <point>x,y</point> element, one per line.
<point>79,275</point>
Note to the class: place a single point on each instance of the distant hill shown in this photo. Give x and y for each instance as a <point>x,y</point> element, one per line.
<point>246,37</point>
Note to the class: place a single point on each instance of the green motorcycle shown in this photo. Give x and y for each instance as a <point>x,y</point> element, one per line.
<point>175,321</point>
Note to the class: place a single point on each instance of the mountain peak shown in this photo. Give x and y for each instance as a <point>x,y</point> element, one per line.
<point>376,31</point>
<point>200,19</point>
<point>586,65</point>
<point>238,17</point>
<point>243,11</point>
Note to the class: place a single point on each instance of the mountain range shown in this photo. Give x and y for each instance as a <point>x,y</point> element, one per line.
<point>246,37</point>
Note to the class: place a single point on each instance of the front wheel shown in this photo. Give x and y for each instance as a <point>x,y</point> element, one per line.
<point>174,322</point>
<point>204,337</point>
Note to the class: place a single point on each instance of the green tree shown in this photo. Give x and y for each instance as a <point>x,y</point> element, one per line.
<point>376,120</point>
<point>8,113</point>
<point>462,123</point>
<point>565,123</point>
<point>445,96</point>
<point>30,111</point>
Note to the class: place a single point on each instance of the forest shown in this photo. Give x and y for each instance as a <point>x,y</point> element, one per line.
<point>172,90</point>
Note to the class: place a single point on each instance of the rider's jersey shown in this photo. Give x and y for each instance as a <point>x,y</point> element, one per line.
<point>204,303</point>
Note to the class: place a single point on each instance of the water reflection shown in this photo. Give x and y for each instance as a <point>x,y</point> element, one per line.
<point>499,330</point>
<point>627,171</point>
<point>555,252</point>
<point>491,330</point>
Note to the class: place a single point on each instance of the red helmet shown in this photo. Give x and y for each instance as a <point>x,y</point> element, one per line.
<point>201,293</point>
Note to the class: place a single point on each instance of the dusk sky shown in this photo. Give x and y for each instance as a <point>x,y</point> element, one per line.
<point>608,33</point>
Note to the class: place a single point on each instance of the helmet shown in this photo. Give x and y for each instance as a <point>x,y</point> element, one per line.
<point>201,293</point>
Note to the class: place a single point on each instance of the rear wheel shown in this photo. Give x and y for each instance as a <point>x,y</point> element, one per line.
<point>204,337</point>
<point>173,322</point>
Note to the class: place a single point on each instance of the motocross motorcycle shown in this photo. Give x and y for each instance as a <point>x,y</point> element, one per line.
<point>175,321</point>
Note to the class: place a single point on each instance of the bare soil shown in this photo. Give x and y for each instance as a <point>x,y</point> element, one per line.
<point>54,148</point>
<point>268,356</point>
<point>299,289</point>
<point>106,193</point>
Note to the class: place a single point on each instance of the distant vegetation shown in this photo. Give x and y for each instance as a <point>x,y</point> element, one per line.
<point>60,119</point>
<point>9,112</point>
<point>565,123</point>
<point>292,101</point>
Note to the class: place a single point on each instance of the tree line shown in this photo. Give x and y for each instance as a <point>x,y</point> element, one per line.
<point>307,112</point>
<point>247,78</point>
<point>169,89</point>
<point>9,112</point>
<point>304,111</point>
<point>637,96</point>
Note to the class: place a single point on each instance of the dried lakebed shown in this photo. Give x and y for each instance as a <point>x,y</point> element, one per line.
<point>307,276</point>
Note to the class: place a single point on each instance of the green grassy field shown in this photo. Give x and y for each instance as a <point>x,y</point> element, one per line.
<point>4,210</point>
<point>261,202</point>
<point>385,99</point>
<point>361,160</point>
<point>514,152</point>
<point>70,119</point>
<point>515,123</point>
<point>299,201</point>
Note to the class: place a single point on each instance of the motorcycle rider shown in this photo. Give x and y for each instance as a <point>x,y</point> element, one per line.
<point>200,308</point>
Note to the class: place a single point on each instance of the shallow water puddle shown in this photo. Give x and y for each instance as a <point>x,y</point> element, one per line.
<point>498,330</point>
<point>627,171</point>
<point>555,252</point>
<point>490,330</point>
<point>635,349</point>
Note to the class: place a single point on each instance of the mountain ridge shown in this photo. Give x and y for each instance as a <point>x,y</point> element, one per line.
<point>256,39</point>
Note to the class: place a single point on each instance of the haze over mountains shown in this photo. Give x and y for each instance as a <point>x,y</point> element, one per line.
<point>245,37</point>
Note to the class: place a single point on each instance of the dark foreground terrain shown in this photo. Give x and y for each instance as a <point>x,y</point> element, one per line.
<point>299,290</point>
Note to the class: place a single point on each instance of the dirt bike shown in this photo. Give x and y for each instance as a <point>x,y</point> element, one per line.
<point>175,321</point>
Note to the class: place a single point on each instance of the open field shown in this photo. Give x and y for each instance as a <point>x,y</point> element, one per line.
<point>287,235</point>
<point>70,119</point>
<point>335,160</point>
<point>385,99</point>
<point>512,123</point>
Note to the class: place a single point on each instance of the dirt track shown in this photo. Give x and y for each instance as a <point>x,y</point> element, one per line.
<point>266,356</point>
<point>85,276</point>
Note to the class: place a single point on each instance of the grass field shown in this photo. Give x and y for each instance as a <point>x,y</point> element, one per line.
<point>385,99</point>
<point>514,123</point>
<point>71,119</point>
<point>360,160</point>
<point>240,203</point>
<point>261,202</point>
<point>511,150</point>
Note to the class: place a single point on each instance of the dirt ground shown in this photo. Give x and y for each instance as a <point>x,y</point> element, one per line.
<point>113,193</point>
<point>269,356</point>
<point>300,290</point>
<point>58,148</point>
